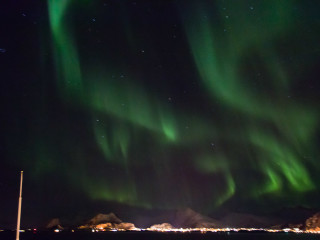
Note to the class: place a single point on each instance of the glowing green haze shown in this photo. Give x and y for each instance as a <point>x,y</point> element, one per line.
<point>219,53</point>
<point>235,134</point>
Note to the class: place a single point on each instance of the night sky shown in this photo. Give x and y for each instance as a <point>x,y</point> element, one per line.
<point>117,105</point>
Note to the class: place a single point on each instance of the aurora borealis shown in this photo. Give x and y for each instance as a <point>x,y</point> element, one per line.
<point>162,104</point>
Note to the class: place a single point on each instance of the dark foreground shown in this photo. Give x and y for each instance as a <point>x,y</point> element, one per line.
<point>155,236</point>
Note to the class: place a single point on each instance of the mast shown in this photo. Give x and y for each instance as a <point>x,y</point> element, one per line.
<point>19,207</point>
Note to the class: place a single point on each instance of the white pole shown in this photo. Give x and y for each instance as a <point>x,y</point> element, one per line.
<point>19,207</point>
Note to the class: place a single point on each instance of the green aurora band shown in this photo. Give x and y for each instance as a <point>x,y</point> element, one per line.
<point>261,131</point>
<point>218,58</point>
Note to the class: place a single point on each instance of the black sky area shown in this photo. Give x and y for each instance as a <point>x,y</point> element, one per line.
<point>142,107</point>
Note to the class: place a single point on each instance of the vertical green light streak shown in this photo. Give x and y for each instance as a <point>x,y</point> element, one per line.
<point>218,164</point>
<point>67,60</point>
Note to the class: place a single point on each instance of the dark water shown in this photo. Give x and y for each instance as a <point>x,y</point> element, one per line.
<point>154,236</point>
